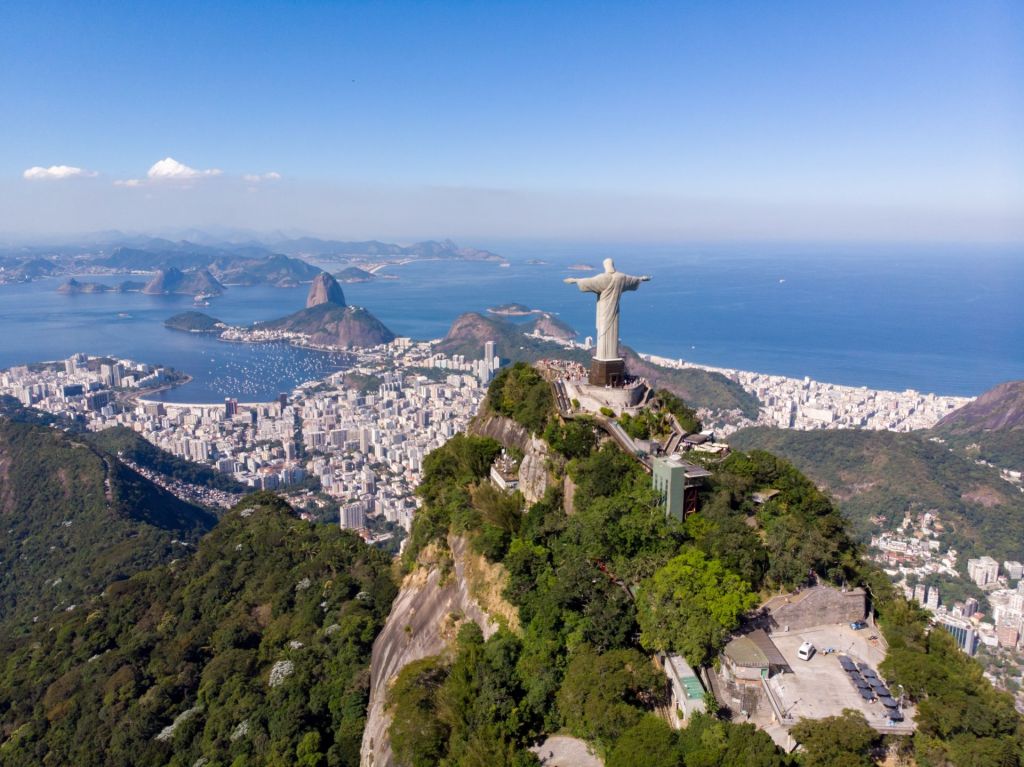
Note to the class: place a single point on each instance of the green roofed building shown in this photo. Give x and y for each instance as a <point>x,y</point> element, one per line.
<point>677,482</point>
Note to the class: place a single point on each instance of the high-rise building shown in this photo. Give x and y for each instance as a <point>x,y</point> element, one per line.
<point>1007,634</point>
<point>921,594</point>
<point>1014,570</point>
<point>489,354</point>
<point>970,606</point>
<point>230,407</point>
<point>932,602</point>
<point>962,630</point>
<point>983,570</point>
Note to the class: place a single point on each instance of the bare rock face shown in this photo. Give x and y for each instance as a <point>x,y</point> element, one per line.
<point>424,619</point>
<point>534,478</point>
<point>325,290</point>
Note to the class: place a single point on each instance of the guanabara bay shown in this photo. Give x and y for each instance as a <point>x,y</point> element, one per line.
<point>511,384</point>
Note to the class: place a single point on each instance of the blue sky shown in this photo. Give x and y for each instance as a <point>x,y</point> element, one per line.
<point>792,120</point>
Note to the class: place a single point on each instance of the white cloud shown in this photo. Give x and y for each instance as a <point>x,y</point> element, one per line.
<point>54,172</point>
<point>255,178</point>
<point>170,169</point>
<point>128,182</point>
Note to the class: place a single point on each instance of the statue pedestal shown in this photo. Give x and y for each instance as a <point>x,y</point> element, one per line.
<point>607,372</point>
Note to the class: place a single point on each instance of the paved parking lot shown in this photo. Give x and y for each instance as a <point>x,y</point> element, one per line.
<point>819,687</point>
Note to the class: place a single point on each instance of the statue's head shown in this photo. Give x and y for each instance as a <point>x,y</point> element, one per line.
<point>609,265</point>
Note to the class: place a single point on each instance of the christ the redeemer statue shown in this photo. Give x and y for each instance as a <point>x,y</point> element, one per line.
<point>608,287</point>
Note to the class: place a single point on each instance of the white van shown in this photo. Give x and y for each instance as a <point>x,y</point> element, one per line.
<point>806,651</point>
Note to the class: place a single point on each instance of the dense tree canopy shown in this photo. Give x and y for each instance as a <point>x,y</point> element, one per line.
<point>522,394</point>
<point>690,605</point>
<point>836,741</point>
<point>254,650</point>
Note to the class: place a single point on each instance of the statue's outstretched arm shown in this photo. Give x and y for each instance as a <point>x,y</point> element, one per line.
<point>571,280</point>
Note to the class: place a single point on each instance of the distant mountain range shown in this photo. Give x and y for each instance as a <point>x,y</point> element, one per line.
<point>271,261</point>
<point>208,247</point>
<point>311,246</point>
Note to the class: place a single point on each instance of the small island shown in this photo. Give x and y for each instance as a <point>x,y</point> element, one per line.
<point>512,310</point>
<point>536,262</point>
<point>194,322</point>
<point>354,274</point>
<point>74,287</point>
<point>581,267</point>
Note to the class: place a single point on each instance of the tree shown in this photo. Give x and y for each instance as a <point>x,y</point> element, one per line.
<point>602,695</point>
<point>837,741</point>
<point>709,742</point>
<point>652,738</point>
<point>522,394</point>
<point>690,605</point>
<point>574,439</point>
<point>418,737</point>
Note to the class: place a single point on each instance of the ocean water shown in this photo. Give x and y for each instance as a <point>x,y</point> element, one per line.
<point>945,320</point>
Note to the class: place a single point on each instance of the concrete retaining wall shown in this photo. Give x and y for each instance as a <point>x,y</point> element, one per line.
<point>815,607</point>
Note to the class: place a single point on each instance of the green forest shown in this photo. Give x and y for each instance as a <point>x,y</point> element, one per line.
<point>878,473</point>
<point>75,519</point>
<point>254,650</point>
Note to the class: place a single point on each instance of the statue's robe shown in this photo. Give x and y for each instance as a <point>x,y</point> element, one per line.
<point>608,287</point>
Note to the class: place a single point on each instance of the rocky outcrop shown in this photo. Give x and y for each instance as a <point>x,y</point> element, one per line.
<point>998,409</point>
<point>500,429</point>
<point>329,322</point>
<point>424,620</point>
<point>173,280</point>
<point>325,290</point>
<point>549,326</point>
<point>534,477</point>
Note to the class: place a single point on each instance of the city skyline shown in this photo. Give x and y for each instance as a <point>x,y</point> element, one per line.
<point>408,121</point>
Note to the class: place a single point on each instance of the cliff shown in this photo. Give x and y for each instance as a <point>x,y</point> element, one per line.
<point>324,290</point>
<point>173,280</point>
<point>534,478</point>
<point>424,620</point>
